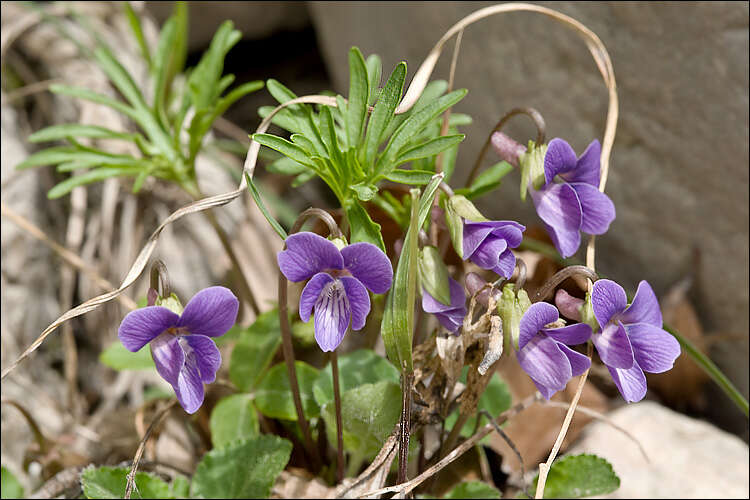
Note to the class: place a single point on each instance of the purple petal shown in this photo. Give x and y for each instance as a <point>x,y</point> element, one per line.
<point>546,364</point>
<point>571,334</point>
<point>474,233</point>
<point>613,346</point>
<point>588,167</point>
<point>307,254</point>
<point>452,319</point>
<point>578,362</point>
<point>569,306</point>
<point>141,326</point>
<point>631,382</point>
<point>311,293</point>
<point>206,353</point>
<point>645,307</point>
<point>487,254</point>
<point>189,388</point>
<point>534,319</point>
<point>168,357</point>
<point>506,263</point>
<point>597,209</point>
<point>359,301</point>
<point>655,350</point>
<point>458,299</point>
<point>369,265</point>
<point>560,210</point>
<point>510,231</point>
<point>560,158</point>
<point>332,316</point>
<point>607,299</point>
<point>210,312</point>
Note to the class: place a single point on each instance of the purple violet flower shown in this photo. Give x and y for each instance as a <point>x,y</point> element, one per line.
<point>543,353</point>
<point>576,204</point>
<point>184,354</point>
<point>488,244</point>
<point>339,280</point>
<point>631,339</point>
<point>450,316</point>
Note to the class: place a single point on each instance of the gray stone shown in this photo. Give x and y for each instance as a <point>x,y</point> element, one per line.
<point>679,170</point>
<point>689,458</point>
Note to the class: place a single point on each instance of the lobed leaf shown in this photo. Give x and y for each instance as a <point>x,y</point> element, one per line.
<point>358,93</point>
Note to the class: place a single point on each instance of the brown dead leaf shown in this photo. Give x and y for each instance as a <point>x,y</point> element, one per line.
<point>299,483</point>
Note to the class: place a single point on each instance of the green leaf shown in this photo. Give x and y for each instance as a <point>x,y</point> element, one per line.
<point>9,485</point>
<point>119,77</point>
<point>364,192</point>
<point>355,369</point>
<point>59,132</point>
<point>303,178</point>
<point>161,64</point>
<point>412,125</point>
<point>358,90</point>
<point>466,209</point>
<point>117,357</point>
<point>97,175</point>
<point>245,469</point>
<point>258,201</point>
<point>413,177</point>
<point>110,482</point>
<point>362,226</point>
<point>254,350</point>
<point>304,143</point>
<point>135,25</point>
<point>374,70</point>
<point>286,148</point>
<point>432,91</point>
<point>49,156</point>
<point>205,83</point>
<point>233,418</point>
<point>434,275</point>
<point>332,144</point>
<point>473,489</point>
<point>486,181</point>
<point>273,397</point>
<point>368,413</point>
<point>430,148</point>
<point>286,166</point>
<point>382,114</point>
<point>180,486</point>
<point>495,399</point>
<point>576,476</point>
<point>88,95</point>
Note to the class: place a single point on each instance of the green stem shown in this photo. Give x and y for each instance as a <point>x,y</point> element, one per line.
<point>712,370</point>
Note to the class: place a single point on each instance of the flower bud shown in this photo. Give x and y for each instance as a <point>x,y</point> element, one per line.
<point>569,306</point>
<point>474,283</point>
<point>434,275</point>
<point>506,148</point>
<point>457,208</point>
<point>511,308</point>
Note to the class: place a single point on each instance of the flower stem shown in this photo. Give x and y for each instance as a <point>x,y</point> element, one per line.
<point>407,378</point>
<point>561,276</point>
<point>339,424</point>
<point>531,113</point>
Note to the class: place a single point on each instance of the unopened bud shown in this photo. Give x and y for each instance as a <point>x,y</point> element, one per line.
<point>569,306</point>
<point>506,148</point>
<point>475,283</point>
<point>532,168</point>
<point>511,308</point>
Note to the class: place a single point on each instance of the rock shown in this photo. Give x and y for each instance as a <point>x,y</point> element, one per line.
<point>689,458</point>
<point>679,165</point>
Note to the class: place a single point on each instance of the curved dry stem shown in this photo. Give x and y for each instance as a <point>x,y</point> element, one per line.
<point>560,276</point>
<point>159,274</point>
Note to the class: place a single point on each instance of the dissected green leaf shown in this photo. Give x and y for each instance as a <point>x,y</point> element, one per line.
<point>273,397</point>
<point>110,482</point>
<point>382,114</point>
<point>413,177</point>
<point>430,148</point>
<point>135,26</point>
<point>355,369</point>
<point>233,418</point>
<point>374,70</point>
<point>368,413</point>
<point>364,192</point>
<point>243,469</point>
<point>63,131</point>
<point>262,207</point>
<point>576,476</point>
<point>117,357</point>
<point>88,95</point>
<point>473,489</point>
<point>487,181</point>
<point>254,350</point>
<point>66,186</point>
<point>362,226</point>
<point>10,487</point>
<point>284,147</point>
<point>357,102</point>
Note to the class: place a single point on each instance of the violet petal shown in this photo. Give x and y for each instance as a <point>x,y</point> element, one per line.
<point>141,326</point>
<point>474,234</point>
<point>607,299</point>
<point>206,353</point>
<point>597,209</point>
<point>631,382</point>
<point>189,389</point>
<point>560,158</point>
<point>560,210</point>
<point>579,363</point>
<point>645,307</point>
<point>168,357</point>
<point>545,363</point>
<point>486,256</point>
<point>332,314</point>
<point>359,301</point>
<point>310,294</point>
<point>588,166</point>
<point>534,319</point>
<point>307,254</point>
<point>369,265</point>
<point>655,349</point>
<point>569,306</point>
<point>571,334</point>
<point>506,264</point>
<point>458,299</point>
<point>210,312</point>
<point>613,346</point>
